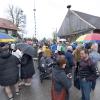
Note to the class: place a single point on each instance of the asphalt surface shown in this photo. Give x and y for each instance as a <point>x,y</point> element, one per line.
<point>40,91</point>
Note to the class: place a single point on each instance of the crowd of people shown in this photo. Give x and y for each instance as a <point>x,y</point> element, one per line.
<point>16,68</point>
<point>72,64</point>
<point>69,65</point>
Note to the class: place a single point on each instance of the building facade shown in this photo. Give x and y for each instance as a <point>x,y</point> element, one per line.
<point>6,26</point>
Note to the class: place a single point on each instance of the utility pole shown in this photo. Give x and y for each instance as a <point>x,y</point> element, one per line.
<point>34,19</point>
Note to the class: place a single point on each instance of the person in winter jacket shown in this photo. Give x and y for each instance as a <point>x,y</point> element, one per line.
<point>9,74</point>
<point>47,51</point>
<point>59,45</point>
<point>40,54</point>
<point>76,54</point>
<point>53,47</point>
<point>61,83</point>
<point>70,58</point>
<point>15,51</point>
<point>86,74</point>
<point>27,69</point>
<point>95,56</point>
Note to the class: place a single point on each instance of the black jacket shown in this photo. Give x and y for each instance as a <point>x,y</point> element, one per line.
<point>9,73</point>
<point>27,67</point>
<point>87,69</point>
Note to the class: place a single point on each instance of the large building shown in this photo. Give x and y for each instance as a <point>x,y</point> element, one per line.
<point>77,23</point>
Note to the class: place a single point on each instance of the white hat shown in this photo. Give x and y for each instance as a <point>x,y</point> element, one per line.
<point>69,48</point>
<point>13,46</point>
<point>39,51</point>
<point>56,51</point>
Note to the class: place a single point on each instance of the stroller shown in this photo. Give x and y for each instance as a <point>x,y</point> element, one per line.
<point>45,68</point>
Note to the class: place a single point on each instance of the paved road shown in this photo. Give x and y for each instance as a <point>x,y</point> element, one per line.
<point>40,91</point>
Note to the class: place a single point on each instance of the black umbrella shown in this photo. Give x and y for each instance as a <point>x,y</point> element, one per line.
<point>26,49</point>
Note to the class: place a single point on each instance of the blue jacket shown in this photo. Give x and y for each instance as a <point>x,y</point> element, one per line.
<point>53,47</point>
<point>69,57</point>
<point>95,56</point>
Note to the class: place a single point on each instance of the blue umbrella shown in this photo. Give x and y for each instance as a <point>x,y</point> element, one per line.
<point>6,38</point>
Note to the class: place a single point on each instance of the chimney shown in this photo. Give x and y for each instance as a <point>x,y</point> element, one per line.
<point>69,6</point>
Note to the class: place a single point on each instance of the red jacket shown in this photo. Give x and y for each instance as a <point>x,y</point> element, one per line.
<point>57,95</point>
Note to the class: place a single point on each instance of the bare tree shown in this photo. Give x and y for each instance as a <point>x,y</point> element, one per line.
<point>17,16</point>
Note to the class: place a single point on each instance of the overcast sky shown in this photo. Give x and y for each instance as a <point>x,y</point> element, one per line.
<point>49,13</point>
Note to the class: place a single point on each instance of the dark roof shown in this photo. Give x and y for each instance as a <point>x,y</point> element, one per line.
<point>93,20</point>
<point>78,22</point>
<point>7,24</point>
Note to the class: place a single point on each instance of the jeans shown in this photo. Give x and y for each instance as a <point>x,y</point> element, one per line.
<point>93,85</point>
<point>85,87</point>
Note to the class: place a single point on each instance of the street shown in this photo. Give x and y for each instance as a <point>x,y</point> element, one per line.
<point>40,91</point>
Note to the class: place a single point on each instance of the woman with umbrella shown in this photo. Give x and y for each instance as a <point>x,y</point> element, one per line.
<point>27,69</point>
<point>27,66</point>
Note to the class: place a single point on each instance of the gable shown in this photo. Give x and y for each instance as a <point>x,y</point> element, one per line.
<point>75,23</point>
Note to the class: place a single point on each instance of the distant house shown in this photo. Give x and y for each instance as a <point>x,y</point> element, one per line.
<point>6,26</point>
<point>76,23</point>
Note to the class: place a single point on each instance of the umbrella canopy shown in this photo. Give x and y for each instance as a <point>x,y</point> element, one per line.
<point>26,49</point>
<point>6,38</point>
<point>62,40</point>
<point>92,37</point>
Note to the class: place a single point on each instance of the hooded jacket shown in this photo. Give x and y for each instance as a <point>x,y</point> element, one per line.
<point>9,73</point>
<point>61,82</point>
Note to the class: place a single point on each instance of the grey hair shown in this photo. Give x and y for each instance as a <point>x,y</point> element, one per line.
<point>94,47</point>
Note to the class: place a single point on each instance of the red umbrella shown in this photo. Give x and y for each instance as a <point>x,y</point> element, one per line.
<point>92,37</point>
